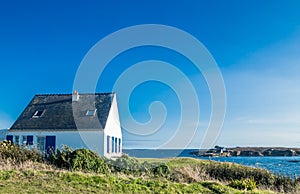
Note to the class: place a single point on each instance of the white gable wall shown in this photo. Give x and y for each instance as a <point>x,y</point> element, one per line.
<point>112,126</point>
<point>113,129</point>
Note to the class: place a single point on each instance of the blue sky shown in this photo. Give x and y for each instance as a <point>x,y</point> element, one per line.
<point>255,43</point>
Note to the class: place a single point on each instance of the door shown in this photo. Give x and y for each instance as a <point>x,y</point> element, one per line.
<point>29,140</point>
<point>50,144</point>
<point>9,138</point>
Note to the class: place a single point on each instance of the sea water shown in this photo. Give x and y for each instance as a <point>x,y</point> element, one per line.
<point>288,166</point>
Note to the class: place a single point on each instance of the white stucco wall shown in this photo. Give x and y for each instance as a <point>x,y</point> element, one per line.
<point>92,140</point>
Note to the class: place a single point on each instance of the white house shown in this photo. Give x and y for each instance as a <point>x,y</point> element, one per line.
<point>77,120</point>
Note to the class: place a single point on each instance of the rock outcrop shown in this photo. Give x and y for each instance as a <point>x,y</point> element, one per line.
<point>276,152</point>
<point>248,151</point>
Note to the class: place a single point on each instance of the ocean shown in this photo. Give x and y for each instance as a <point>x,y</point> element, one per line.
<point>288,166</point>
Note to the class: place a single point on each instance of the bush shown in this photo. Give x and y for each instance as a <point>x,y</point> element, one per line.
<point>244,184</point>
<point>161,170</point>
<point>86,160</point>
<point>83,159</point>
<point>130,165</point>
<point>229,171</point>
<point>284,184</point>
<point>80,159</point>
<point>126,164</point>
<point>60,158</point>
<point>17,155</point>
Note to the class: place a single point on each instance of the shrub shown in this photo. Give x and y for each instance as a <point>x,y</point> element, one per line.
<point>284,184</point>
<point>80,159</point>
<point>60,158</point>
<point>126,164</point>
<point>83,159</point>
<point>130,165</point>
<point>17,155</point>
<point>244,184</point>
<point>229,171</point>
<point>161,170</point>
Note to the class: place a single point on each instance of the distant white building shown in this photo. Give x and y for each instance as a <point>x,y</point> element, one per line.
<point>77,120</point>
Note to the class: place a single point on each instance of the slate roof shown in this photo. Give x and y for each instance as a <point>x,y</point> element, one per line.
<point>59,113</point>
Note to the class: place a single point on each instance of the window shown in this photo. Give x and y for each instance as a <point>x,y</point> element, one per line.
<point>117,148</point>
<point>107,144</point>
<point>41,144</point>
<point>17,140</point>
<point>91,112</point>
<point>119,144</point>
<point>116,145</point>
<point>24,139</point>
<point>112,144</point>
<point>38,114</point>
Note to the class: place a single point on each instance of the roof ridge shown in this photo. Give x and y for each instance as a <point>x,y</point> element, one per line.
<point>66,94</point>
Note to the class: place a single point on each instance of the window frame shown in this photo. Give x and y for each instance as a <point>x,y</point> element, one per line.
<point>17,139</point>
<point>91,112</point>
<point>38,114</point>
<point>24,139</point>
<point>38,143</point>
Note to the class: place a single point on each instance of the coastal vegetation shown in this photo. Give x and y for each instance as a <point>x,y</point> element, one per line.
<point>77,171</point>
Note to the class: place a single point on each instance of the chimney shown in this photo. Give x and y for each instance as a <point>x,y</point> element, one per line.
<point>75,96</point>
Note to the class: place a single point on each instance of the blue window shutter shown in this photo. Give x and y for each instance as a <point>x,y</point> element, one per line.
<point>116,144</point>
<point>9,138</point>
<point>107,144</point>
<point>112,144</point>
<point>29,140</point>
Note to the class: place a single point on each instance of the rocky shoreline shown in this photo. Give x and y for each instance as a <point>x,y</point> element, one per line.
<point>219,151</point>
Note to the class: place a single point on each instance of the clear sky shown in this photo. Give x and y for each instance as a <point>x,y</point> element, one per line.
<point>256,45</point>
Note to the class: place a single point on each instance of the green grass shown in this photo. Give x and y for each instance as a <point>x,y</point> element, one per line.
<point>175,162</point>
<point>35,181</point>
<point>192,170</point>
<point>82,171</point>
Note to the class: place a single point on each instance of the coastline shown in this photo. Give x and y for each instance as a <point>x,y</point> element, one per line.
<point>286,165</point>
<point>219,151</point>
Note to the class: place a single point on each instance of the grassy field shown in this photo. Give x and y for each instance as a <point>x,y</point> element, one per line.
<point>82,171</point>
<point>32,180</point>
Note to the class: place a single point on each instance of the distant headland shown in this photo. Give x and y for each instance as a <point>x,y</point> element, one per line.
<point>218,151</point>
